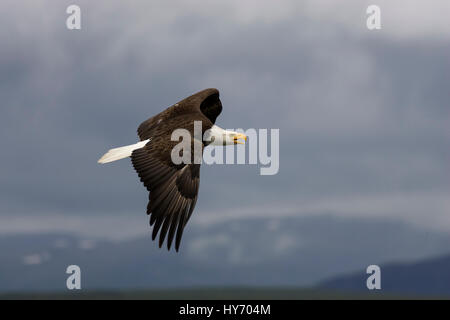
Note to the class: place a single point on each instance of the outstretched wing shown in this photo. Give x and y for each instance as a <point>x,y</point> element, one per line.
<point>205,105</point>
<point>173,192</point>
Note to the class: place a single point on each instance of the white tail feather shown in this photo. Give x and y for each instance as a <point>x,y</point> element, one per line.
<point>122,152</point>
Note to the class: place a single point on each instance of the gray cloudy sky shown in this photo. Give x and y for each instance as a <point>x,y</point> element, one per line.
<point>363,115</point>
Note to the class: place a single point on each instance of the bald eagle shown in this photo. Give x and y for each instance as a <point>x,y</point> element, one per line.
<point>173,188</point>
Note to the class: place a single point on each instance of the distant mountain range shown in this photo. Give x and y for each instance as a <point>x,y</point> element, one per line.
<point>294,252</point>
<point>429,277</point>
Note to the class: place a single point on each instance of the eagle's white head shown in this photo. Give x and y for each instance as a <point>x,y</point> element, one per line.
<point>216,136</point>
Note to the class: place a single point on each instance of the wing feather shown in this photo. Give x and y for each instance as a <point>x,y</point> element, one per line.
<point>173,192</point>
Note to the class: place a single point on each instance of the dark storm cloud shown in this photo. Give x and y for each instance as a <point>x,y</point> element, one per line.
<point>358,114</point>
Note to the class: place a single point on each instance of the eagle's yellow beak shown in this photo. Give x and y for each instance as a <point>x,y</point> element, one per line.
<point>239,136</point>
